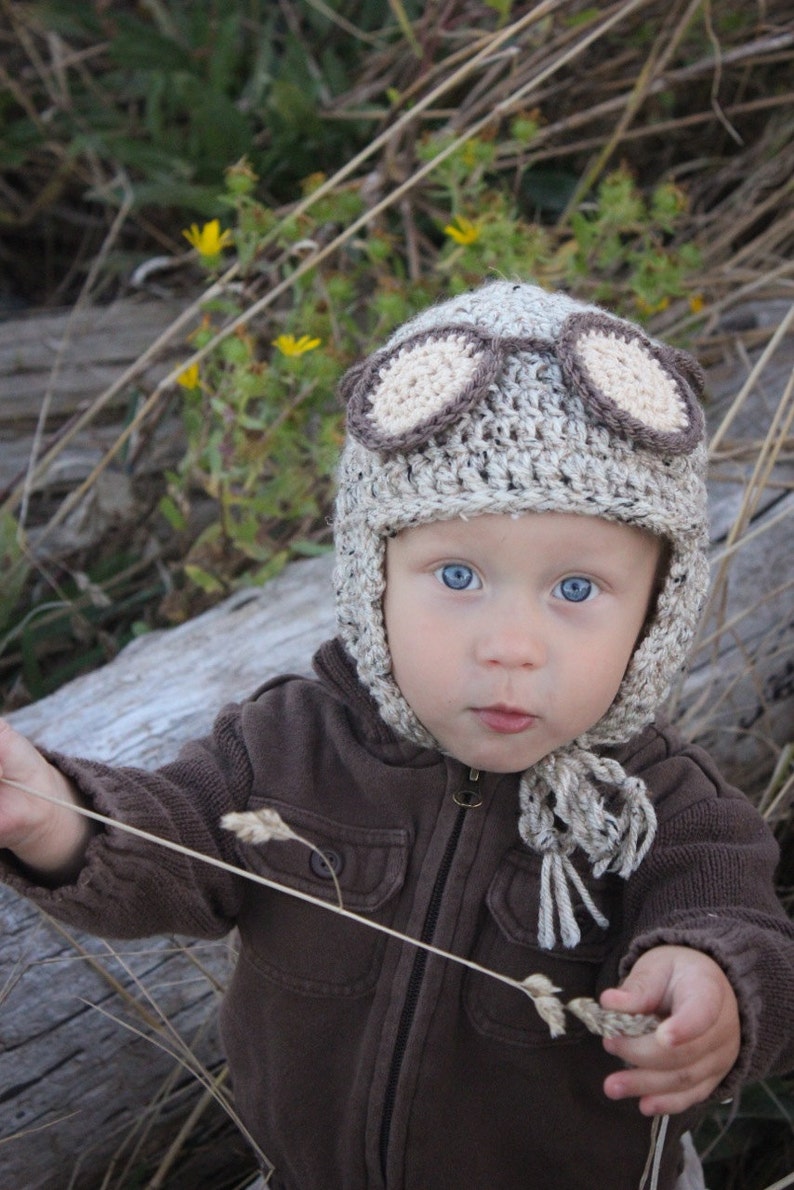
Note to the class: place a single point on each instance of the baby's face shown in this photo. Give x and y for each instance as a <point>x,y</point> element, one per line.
<point>510,636</point>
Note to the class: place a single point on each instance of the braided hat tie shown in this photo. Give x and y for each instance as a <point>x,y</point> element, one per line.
<point>562,809</point>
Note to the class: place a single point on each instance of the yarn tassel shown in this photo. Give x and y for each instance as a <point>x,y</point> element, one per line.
<point>562,809</point>
<point>557,875</point>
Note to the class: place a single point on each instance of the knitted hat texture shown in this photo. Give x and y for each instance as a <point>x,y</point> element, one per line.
<point>510,399</point>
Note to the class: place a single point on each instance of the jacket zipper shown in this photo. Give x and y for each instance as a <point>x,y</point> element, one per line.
<point>467,798</point>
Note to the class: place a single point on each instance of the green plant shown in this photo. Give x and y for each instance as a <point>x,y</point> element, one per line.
<point>185,88</point>
<point>15,569</point>
<point>108,107</point>
<point>261,445</point>
<point>623,251</point>
<point>262,424</point>
<point>75,623</point>
<point>750,1145</point>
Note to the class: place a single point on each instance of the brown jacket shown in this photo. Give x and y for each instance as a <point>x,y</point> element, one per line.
<point>360,1062</point>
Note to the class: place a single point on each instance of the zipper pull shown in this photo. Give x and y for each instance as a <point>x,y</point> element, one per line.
<point>469,796</point>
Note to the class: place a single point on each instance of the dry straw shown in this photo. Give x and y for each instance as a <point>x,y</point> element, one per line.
<point>268,826</point>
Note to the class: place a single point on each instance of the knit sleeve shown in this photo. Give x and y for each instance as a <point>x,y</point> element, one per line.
<point>708,883</point>
<point>134,887</point>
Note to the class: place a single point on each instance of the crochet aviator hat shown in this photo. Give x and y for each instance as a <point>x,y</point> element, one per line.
<point>509,399</point>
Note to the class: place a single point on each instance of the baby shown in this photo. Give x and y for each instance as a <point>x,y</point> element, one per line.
<point>520,534</point>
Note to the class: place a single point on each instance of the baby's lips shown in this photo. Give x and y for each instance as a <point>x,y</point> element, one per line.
<point>505,720</point>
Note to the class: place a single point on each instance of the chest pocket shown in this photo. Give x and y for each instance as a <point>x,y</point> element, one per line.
<point>508,943</point>
<point>303,947</point>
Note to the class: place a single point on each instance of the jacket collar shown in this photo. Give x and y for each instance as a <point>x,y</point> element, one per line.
<point>336,669</point>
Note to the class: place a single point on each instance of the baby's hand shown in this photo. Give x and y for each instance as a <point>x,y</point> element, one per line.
<point>49,838</point>
<point>694,1047</point>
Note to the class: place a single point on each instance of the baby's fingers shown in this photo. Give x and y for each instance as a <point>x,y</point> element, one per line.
<point>662,1092</point>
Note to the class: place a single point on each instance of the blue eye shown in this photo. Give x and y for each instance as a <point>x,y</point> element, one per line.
<point>458,577</point>
<point>575,589</point>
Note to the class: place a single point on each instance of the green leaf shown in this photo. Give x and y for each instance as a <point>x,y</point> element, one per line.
<point>74,21</point>
<point>14,568</point>
<point>203,579</point>
<point>548,189</point>
<point>502,7</point>
<point>311,549</point>
<point>173,514</point>
<point>138,46</point>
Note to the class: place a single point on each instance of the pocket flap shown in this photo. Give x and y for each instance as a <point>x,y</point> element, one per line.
<point>514,902</point>
<point>369,863</point>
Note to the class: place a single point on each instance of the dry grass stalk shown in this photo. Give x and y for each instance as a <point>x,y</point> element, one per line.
<point>272,827</point>
<point>529,76</point>
<point>265,826</point>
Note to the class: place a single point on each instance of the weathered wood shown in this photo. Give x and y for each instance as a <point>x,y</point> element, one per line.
<point>75,355</point>
<point>55,366</point>
<point>167,687</point>
<point>738,698</point>
<point>72,1081</point>
<point>60,1056</point>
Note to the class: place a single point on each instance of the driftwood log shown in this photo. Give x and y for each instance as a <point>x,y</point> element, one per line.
<point>88,1078</point>
<point>63,402</point>
<point>74,1082</point>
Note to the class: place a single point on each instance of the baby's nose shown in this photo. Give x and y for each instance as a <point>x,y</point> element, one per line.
<point>514,641</point>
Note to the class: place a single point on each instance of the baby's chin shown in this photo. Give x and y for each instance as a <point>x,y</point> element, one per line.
<point>495,760</point>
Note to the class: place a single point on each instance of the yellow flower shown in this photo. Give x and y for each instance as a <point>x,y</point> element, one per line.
<point>189,378</point>
<point>289,345</point>
<point>208,240</point>
<point>696,303</point>
<point>462,230</point>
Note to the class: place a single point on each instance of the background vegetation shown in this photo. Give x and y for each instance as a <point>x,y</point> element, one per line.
<point>336,166</point>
